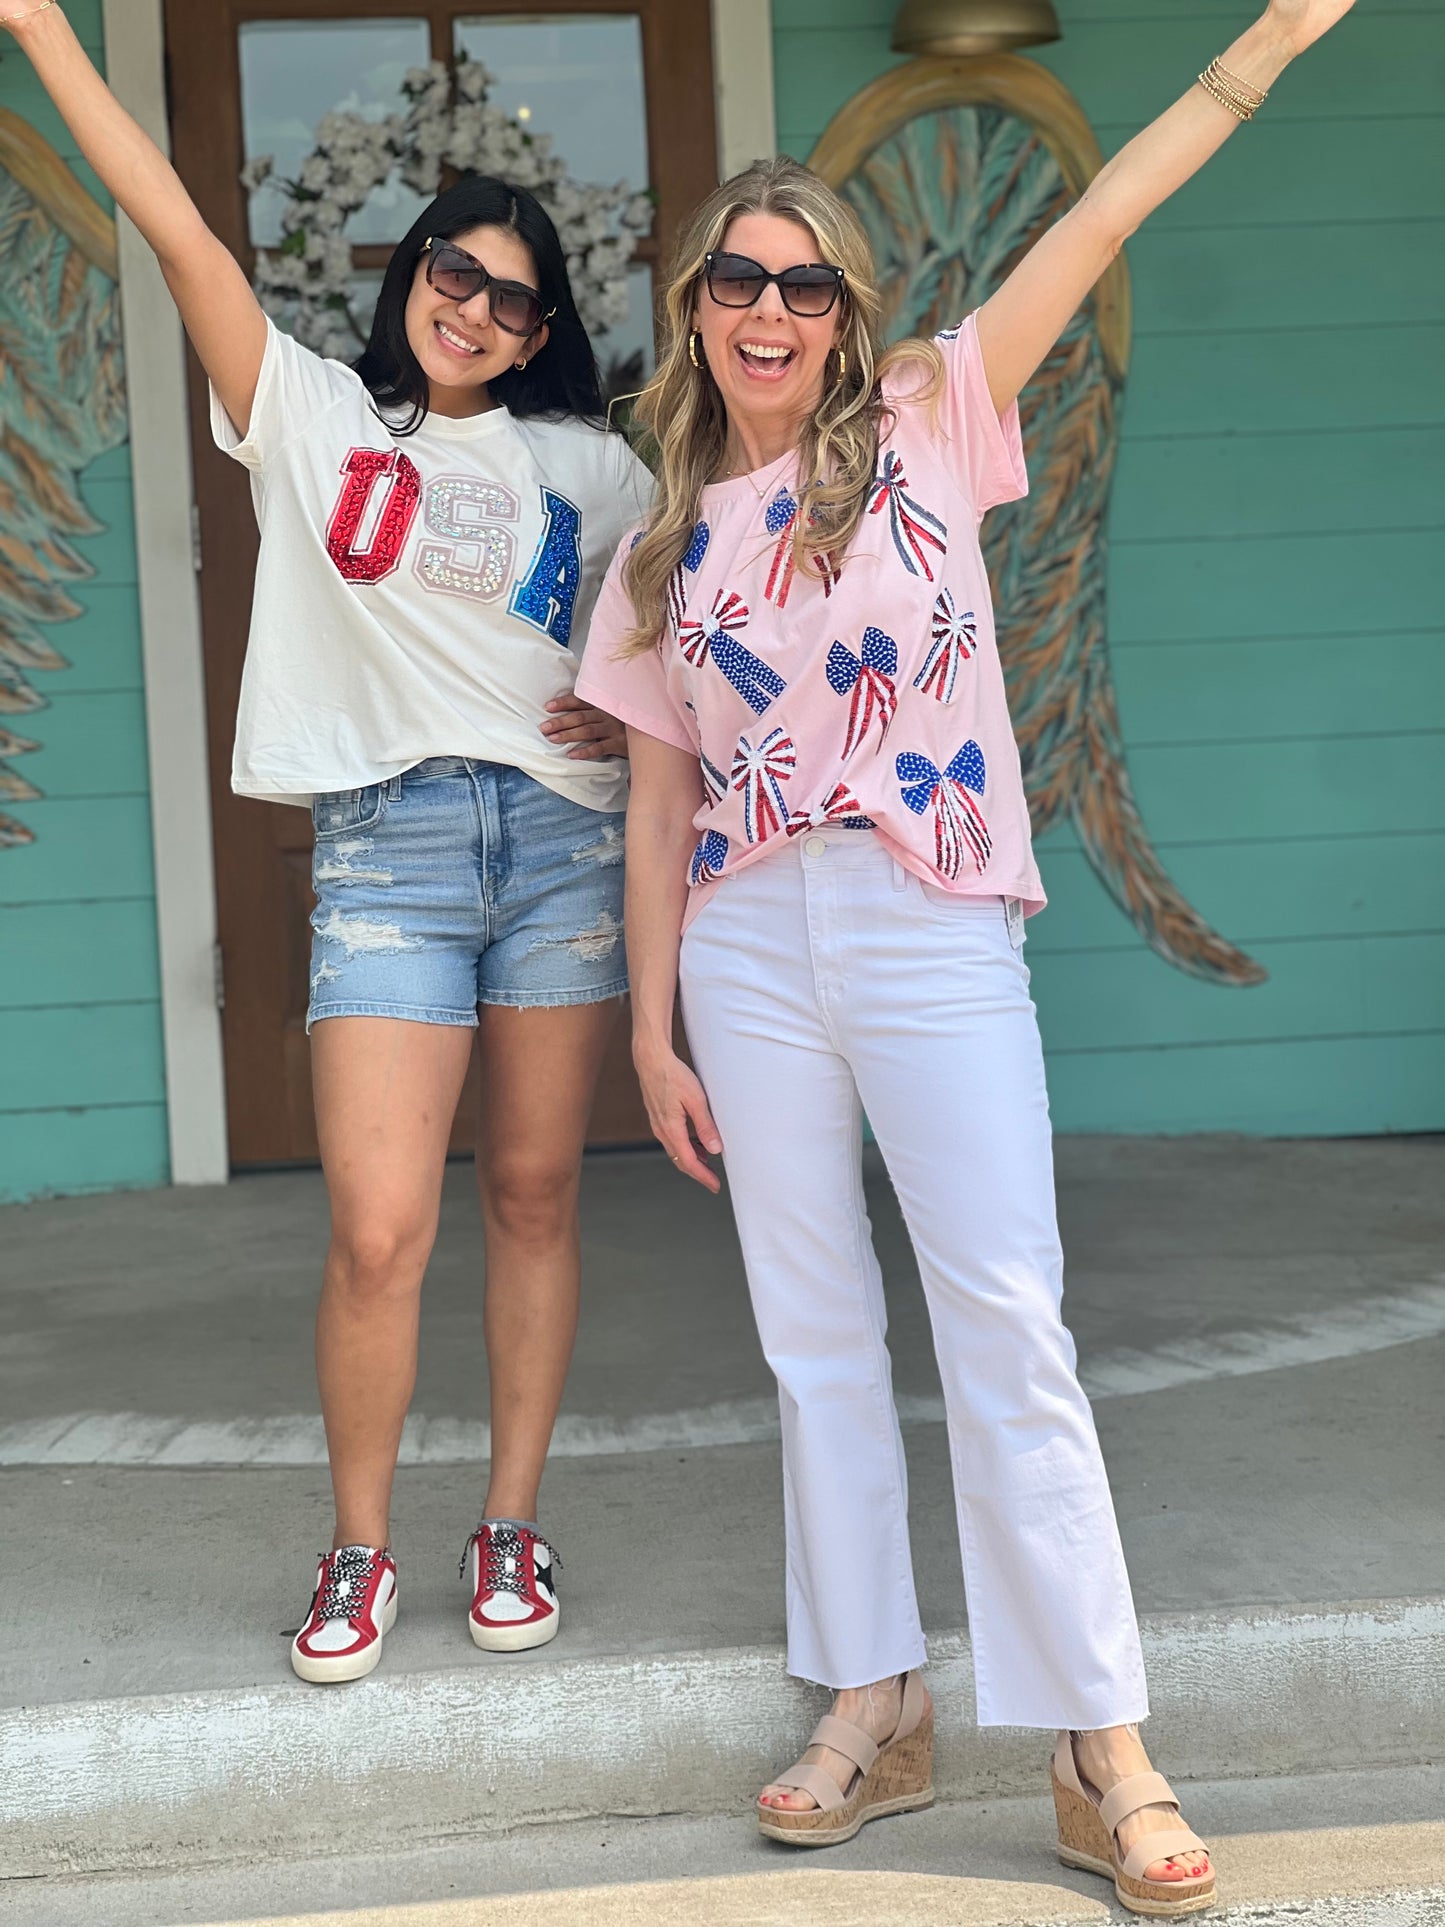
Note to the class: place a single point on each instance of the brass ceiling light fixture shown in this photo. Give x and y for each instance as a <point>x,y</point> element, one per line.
<point>944,27</point>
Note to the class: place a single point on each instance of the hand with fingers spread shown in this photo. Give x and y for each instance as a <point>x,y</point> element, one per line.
<point>677,1110</point>
<point>588,733</point>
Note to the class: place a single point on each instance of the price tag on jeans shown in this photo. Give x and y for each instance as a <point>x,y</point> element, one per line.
<point>1014,915</point>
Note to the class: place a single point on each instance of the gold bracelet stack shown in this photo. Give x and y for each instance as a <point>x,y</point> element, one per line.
<point>1241,98</point>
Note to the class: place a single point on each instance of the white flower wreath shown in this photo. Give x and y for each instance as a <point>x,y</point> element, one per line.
<point>306,283</point>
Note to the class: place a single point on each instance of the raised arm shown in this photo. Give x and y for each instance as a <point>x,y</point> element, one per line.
<point>1019,324</point>
<point>666,792</point>
<point>220,312</point>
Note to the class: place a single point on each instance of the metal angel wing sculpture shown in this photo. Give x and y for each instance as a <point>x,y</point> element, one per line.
<point>955,168</point>
<point>62,403</point>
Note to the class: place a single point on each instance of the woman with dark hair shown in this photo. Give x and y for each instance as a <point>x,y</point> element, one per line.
<point>434,523</point>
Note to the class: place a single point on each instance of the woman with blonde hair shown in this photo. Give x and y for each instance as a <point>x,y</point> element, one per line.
<point>828,847</point>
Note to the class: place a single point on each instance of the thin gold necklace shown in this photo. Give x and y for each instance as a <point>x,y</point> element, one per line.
<point>746,475</point>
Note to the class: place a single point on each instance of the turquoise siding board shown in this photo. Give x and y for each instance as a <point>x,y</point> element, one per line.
<point>97,952</point>
<point>84,850</point>
<point>82,1086</point>
<point>1250,486</point>
<point>91,1149</point>
<point>69,1057</point>
<point>1275,577</point>
<point>1256,384</point>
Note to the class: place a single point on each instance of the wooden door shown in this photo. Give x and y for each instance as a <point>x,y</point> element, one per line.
<point>263,850</point>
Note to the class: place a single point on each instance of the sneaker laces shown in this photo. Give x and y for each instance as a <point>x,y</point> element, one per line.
<point>502,1550</point>
<point>348,1570</point>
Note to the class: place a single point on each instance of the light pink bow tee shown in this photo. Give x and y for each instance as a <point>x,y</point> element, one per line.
<point>872,699</point>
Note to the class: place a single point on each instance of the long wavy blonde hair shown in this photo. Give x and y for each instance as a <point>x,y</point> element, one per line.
<point>684,414</point>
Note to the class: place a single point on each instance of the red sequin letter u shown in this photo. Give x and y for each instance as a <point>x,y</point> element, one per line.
<point>364,468</point>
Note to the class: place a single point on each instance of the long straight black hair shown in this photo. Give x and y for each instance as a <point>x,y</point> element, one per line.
<point>561,380</point>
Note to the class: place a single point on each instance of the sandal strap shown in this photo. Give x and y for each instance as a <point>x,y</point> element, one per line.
<point>808,1778</point>
<point>849,1740</point>
<point>913,1705</point>
<point>1137,1790</point>
<point>1165,1845</point>
<point>1066,1767</point>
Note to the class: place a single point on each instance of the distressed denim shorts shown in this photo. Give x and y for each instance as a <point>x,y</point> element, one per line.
<point>461,883</point>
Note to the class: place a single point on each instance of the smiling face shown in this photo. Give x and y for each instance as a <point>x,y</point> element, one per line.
<point>769,364</point>
<point>459,345</point>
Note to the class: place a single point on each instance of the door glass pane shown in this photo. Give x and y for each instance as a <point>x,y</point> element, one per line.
<point>295,71</point>
<point>579,79</point>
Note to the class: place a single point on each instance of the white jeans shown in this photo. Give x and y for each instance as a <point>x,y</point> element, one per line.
<point>819,983</point>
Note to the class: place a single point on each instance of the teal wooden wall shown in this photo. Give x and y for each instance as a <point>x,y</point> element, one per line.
<point>82,1087</point>
<point>1274,580</point>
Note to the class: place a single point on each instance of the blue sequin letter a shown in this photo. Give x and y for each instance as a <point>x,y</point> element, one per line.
<point>549,592</point>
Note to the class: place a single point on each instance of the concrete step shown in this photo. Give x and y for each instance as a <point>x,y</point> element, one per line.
<point>1360,1849</point>
<point>183,1779</point>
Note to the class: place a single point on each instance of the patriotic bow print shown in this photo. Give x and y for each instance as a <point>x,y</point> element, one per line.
<point>958,823</point>
<point>914,528</point>
<point>782,513</point>
<point>839,807</point>
<point>699,634</point>
<point>760,772</point>
<point>692,562</point>
<point>954,636</point>
<point>869,675</point>
<point>711,635</point>
<point>708,858</point>
<point>713,780</point>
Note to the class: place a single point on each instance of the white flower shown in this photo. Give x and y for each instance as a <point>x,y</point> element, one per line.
<point>449,120</point>
<point>256,171</point>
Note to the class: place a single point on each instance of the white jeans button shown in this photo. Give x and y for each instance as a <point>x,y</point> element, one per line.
<point>814,846</point>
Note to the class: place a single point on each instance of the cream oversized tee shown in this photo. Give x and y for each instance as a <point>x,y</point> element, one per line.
<point>872,699</point>
<point>416,595</point>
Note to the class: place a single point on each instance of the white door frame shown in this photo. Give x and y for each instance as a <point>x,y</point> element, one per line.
<point>742,57</point>
<point>175,693</point>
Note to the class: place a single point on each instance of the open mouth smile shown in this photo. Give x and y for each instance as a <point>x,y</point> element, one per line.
<point>457,344</point>
<point>765,361</point>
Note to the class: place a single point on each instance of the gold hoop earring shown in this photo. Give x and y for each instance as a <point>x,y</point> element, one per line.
<point>693,339</point>
<point>842,364</point>
<point>520,365</point>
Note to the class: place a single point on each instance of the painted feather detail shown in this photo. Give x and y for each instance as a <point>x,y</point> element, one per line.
<point>951,203</point>
<point>62,404</point>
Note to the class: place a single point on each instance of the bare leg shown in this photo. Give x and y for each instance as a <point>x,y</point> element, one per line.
<point>539,1073</point>
<point>386,1091</point>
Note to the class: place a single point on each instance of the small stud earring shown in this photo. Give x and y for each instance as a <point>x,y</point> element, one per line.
<point>693,339</point>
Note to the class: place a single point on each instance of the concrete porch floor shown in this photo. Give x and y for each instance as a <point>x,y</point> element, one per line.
<point>1262,1326</point>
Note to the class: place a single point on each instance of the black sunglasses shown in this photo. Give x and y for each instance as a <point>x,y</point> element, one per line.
<point>459,276</point>
<point>735,281</point>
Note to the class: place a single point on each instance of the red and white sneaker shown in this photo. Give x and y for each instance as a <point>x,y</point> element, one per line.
<point>353,1606</point>
<point>514,1589</point>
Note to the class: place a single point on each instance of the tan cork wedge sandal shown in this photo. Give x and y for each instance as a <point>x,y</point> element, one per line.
<point>896,1777</point>
<point>1088,1838</point>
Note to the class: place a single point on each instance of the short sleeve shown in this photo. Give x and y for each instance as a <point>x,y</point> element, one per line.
<point>294,387</point>
<point>634,486</point>
<point>986,449</point>
<point>633,688</point>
